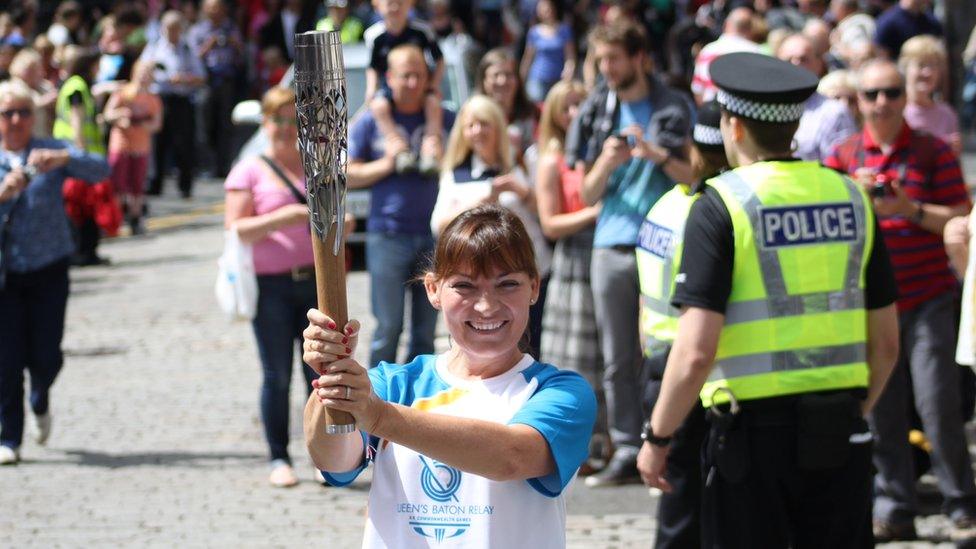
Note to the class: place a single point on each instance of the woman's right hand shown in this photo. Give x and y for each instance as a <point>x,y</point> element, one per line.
<point>324,343</point>
<point>13,183</point>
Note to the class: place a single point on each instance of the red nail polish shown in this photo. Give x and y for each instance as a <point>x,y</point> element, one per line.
<point>348,351</point>
<point>348,330</point>
<point>331,325</point>
<point>345,340</point>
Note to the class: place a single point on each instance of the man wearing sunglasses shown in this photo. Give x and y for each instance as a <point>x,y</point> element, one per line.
<point>916,187</point>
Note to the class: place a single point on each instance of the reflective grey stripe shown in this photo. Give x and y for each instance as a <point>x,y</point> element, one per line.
<point>768,259</point>
<point>667,276</point>
<point>794,305</point>
<point>856,257</point>
<point>779,303</point>
<point>660,306</point>
<point>764,363</point>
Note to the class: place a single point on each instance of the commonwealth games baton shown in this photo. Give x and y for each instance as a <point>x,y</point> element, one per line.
<point>320,97</point>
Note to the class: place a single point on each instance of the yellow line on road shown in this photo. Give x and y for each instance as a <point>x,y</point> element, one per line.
<point>175,220</point>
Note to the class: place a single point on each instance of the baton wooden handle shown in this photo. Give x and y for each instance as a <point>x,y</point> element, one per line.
<point>330,289</point>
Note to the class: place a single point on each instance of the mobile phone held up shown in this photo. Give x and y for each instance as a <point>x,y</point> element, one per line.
<point>882,186</point>
<point>629,139</point>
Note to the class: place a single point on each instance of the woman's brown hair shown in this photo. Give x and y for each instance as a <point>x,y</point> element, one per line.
<point>482,240</point>
<point>523,107</point>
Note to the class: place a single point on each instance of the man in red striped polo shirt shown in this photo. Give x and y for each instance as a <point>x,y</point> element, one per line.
<point>917,186</point>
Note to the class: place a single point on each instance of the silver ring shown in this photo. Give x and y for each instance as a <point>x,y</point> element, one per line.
<point>347,392</point>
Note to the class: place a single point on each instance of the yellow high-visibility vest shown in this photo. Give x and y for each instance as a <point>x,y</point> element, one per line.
<point>94,140</point>
<point>795,320</point>
<point>658,258</point>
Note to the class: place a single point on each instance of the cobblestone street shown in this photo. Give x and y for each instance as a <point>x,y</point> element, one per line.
<point>157,439</point>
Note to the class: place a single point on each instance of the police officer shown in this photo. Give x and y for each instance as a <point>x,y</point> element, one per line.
<point>658,256</point>
<point>788,330</point>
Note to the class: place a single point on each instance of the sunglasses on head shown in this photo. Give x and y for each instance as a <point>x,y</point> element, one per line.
<point>10,113</point>
<point>890,93</point>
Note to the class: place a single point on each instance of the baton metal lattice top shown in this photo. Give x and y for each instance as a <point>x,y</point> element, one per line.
<point>320,98</point>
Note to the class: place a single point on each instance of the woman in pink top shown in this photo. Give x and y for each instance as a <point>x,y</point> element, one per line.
<point>265,205</point>
<point>569,334</point>
<point>134,114</point>
<point>924,63</point>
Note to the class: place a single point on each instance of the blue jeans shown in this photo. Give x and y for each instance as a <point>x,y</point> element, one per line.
<point>393,262</point>
<point>278,326</point>
<point>32,308</point>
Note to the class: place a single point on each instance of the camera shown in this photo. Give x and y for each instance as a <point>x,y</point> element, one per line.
<point>629,139</point>
<point>881,187</point>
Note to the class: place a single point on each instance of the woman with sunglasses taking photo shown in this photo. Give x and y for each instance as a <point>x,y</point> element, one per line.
<point>472,447</point>
<point>35,251</point>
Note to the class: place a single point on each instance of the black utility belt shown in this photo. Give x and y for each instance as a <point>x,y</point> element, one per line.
<point>785,406</point>
<point>819,425</point>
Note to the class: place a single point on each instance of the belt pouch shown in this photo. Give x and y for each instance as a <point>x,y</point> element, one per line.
<point>824,427</point>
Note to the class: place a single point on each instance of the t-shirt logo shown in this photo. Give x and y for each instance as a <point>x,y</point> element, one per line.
<point>439,481</point>
<point>656,239</point>
<point>443,520</point>
<point>783,226</point>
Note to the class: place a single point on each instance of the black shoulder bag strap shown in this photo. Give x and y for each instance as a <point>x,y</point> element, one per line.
<point>284,179</point>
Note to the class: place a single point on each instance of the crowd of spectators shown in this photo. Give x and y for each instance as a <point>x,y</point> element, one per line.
<point>579,120</point>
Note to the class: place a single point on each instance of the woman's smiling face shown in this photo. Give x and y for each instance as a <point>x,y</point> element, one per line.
<point>486,314</point>
<point>482,135</point>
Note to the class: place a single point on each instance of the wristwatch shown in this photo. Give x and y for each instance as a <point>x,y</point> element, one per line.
<point>649,436</point>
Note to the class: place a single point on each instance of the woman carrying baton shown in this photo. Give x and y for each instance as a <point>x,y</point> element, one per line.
<point>472,447</point>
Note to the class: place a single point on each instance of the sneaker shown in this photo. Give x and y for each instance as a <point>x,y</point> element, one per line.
<point>428,166</point>
<point>282,475</point>
<point>885,531</point>
<point>42,423</point>
<point>405,162</point>
<point>622,469</point>
<point>8,456</point>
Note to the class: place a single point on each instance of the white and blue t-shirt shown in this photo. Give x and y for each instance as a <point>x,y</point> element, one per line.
<point>416,501</point>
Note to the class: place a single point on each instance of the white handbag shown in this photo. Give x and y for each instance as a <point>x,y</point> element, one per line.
<point>237,285</point>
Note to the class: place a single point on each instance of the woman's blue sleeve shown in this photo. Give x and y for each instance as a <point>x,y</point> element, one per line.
<point>563,410</point>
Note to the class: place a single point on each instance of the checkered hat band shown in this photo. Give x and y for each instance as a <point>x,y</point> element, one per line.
<point>764,112</point>
<point>707,135</point>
